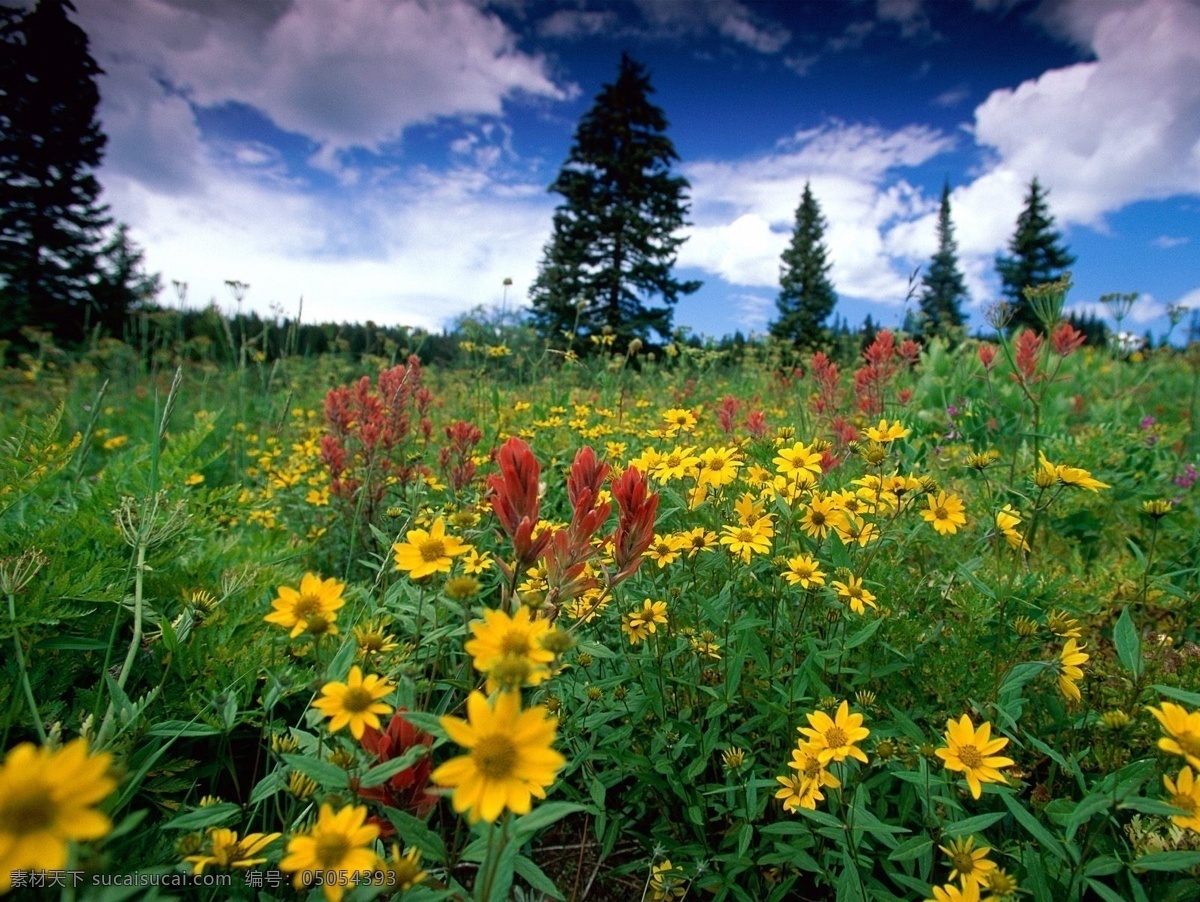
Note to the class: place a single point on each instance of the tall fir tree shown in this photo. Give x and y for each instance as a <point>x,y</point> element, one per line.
<point>51,220</point>
<point>614,242</point>
<point>943,287</point>
<point>1038,255</point>
<point>806,295</point>
<point>121,282</point>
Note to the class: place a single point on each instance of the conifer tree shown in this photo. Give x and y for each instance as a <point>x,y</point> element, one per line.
<point>51,221</point>
<point>806,295</point>
<point>944,289</point>
<point>1038,255</point>
<point>614,241</point>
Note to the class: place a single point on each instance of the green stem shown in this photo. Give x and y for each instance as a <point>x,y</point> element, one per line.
<point>25,685</point>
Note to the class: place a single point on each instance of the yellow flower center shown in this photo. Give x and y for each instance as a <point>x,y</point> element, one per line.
<point>356,700</point>
<point>969,755</point>
<point>305,606</point>
<point>431,549</point>
<point>835,737</point>
<point>1186,802</point>
<point>854,591</point>
<point>331,850</point>
<point>817,518</point>
<point>802,570</point>
<point>515,643</point>
<point>941,513</point>
<point>716,464</point>
<point>495,756</point>
<point>29,812</point>
<point>963,861</point>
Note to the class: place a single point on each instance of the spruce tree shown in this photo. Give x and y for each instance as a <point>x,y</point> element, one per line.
<point>1038,255</point>
<point>614,241</point>
<point>121,282</point>
<point>806,295</point>
<point>51,221</point>
<point>944,289</point>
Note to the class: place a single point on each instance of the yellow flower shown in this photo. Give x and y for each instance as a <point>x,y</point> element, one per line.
<point>974,753</point>
<point>1068,669</point>
<point>821,515</point>
<point>1007,522</point>
<point>230,852</point>
<point>317,599</point>
<point>746,541</point>
<point>339,842</point>
<point>718,466</point>
<point>945,512</point>
<point>836,738</point>
<point>500,638</point>
<point>355,702</point>
<point>404,870</point>
<point>1183,727</point>
<point>509,759</point>
<point>1072,476</point>
<point>642,623</point>
<point>117,441</point>
<point>374,639</point>
<point>804,789</point>
<point>679,418</point>
<point>804,571</point>
<point>970,865</point>
<point>855,594</point>
<point>47,798</point>
<point>797,459</point>
<point>429,552</point>
<point>194,479</point>
<point>699,539</point>
<point>666,882</point>
<point>1185,794</point>
<point>951,892</point>
<point>887,432</point>
<point>665,550</point>
<point>675,464</point>
<point>475,562</point>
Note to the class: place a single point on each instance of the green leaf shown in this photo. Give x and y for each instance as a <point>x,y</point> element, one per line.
<point>864,634</point>
<point>1180,695</point>
<point>911,848</point>
<point>414,832</point>
<point>70,643</point>
<point>543,816</point>
<point>1128,643</point>
<point>536,877</point>
<point>1150,806</point>
<point>384,772</point>
<point>1104,892</point>
<point>326,774</point>
<point>182,729</point>
<point>1034,827</point>
<point>1088,807</point>
<point>1167,861</point>
<point>208,816</point>
<point>268,786</point>
<point>974,824</point>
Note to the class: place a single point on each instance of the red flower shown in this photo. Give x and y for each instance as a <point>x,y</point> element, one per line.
<point>1028,346</point>
<point>635,525</point>
<point>406,790</point>
<point>1066,338</point>
<point>987,355</point>
<point>515,500</point>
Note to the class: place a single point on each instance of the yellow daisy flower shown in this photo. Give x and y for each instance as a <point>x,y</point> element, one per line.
<point>355,702</point>
<point>1183,727</point>
<point>230,852</point>
<point>509,760</point>
<point>47,798</point>
<point>821,515</point>
<point>952,892</point>
<point>973,752</point>
<point>971,865</point>
<point>746,541</point>
<point>699,539</point>
<point>1068,669</point>
<point>426,553</point>
<point>804,571</point>
<point>665,550</point>
<point>945,512</point>
<point>798,458</point>
<point>835,738</point>
<point>855,594</point>
<point>642,623</point>
<point>718,466</point>
<point>887,432</point>
<point>316,600</point>
<point>339,842</point>
<point>1185,794</point>
<point>500,638</point>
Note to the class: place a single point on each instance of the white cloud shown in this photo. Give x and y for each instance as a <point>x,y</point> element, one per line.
<point>744,211</point>
<point>1170,241</point>
<point>1191,300</point>
<point>343,74</point>
<point>1107,133</point>
<point>729,18</point>
<point>754,311</point>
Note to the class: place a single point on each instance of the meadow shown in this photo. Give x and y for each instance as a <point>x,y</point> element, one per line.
<point>915,623</point>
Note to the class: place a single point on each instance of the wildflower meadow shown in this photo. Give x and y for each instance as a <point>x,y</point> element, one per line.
<point>914,621</point>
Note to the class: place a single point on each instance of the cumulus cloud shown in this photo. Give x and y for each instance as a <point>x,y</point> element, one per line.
<point>1170,241</point>
<point>343,74</point>
<point>744,211</point>
<point>729,18</point>
<point>1104,134</point>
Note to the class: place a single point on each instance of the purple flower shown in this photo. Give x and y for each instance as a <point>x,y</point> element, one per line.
<point>1147,422</point>
<point>1188,477</point>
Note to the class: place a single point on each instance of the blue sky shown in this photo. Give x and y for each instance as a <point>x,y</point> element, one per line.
<point>388,159</point>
